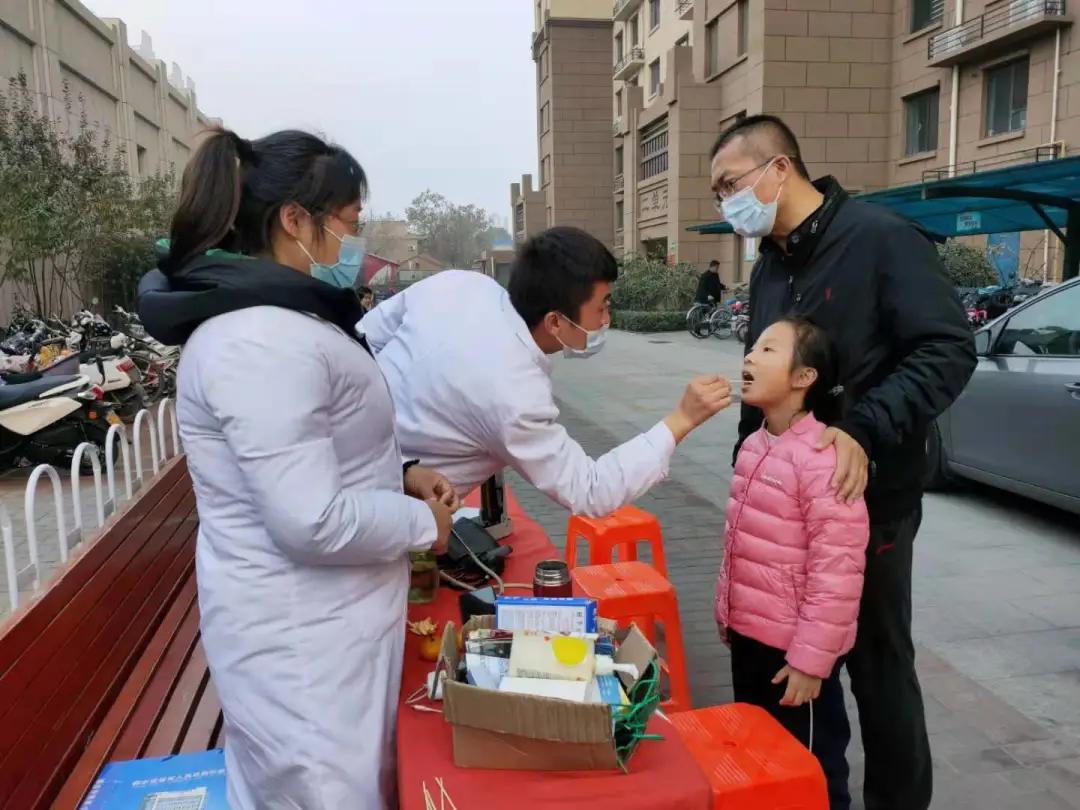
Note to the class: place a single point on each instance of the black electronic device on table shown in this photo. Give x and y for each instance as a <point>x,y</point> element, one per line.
<point>493,517</point>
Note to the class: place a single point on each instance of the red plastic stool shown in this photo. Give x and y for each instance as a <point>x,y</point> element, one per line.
<point>636,591</point>
<point>750,760</point>
<point>622,529</point>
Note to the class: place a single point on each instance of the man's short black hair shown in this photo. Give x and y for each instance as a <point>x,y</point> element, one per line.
<point>556,271</point>
<point>767,136</point>
<point>362,291</point>
<point>714,263</point>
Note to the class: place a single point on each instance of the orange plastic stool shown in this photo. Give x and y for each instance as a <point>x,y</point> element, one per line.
<point>622,529</point>
<point>750,760</point>
<point>636,591</point>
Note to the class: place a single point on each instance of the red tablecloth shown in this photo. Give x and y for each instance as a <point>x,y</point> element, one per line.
<point>662,774</point>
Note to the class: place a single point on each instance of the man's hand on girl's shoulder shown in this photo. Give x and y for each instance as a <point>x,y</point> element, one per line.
<point>852,465</point>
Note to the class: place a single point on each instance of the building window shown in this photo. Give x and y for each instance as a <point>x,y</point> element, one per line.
<point>618,160</point>
<point>618,102</point>
<point>654,15</point>
<point>545,117</point>
<point>619,209</point>
<point>654,77</point>
<point>683,41</point>
<point>619,50</point>
<point>921,122</point>
<point>654,149</point>
<point>743,13</point>
<point>1006,97</point>
<point>140,159</point>
<point>545,171</point>
<point>635,33</point>
<point>519,218</point>
<point>925,13</point>
<point>712,48</point>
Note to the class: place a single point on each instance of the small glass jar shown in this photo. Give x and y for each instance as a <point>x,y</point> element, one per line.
<point>552,578</point>
<point>423,577</point>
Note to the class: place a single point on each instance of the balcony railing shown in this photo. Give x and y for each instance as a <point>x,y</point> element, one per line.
<point>623,10</point>
<point>684,9</point>
<point>1011,21</point>
<point>629,64</point>
<point>617,126</point>
<point>619,185</point>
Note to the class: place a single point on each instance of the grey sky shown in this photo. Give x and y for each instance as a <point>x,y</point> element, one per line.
<point>425,93</point>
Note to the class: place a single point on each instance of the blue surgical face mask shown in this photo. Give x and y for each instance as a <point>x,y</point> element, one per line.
<point>594,342</point>
<point>344,272</point>
<point>749,216</point>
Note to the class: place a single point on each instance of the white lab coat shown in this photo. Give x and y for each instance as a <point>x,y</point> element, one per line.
<point>301,560</point>
<point>472,393</point>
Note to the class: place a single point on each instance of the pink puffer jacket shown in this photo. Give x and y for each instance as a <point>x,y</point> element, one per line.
<point>794,557</point>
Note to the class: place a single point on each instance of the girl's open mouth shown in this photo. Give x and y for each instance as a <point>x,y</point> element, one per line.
<point>747,379</point>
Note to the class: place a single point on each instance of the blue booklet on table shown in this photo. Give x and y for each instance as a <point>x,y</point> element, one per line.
<point>181,782</point>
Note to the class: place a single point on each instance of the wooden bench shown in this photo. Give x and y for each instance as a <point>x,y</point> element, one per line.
<point>107,664</point>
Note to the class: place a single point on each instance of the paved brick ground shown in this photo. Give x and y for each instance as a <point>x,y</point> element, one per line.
<point>997,586</point>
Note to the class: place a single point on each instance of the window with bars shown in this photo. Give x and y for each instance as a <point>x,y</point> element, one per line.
<point>1006,97</point>
<point>654,150</point>
<point>925,13</point>
<point>921,122</point>
<point>519,218</point>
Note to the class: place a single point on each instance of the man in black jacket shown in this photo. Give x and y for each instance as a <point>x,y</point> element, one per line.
<point>709,285</point>
<point>875,283</point>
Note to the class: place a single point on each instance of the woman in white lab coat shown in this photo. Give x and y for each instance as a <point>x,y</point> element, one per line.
<point>306,516</point>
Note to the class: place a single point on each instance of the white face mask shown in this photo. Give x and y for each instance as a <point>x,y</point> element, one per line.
<point>594,342</point>
<point>748,215</point>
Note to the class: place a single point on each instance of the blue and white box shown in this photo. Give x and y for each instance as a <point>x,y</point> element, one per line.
<point>181,782</point>
<point>546,614</point>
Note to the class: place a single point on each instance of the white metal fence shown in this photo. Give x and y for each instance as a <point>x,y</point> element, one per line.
<point>26,567</point>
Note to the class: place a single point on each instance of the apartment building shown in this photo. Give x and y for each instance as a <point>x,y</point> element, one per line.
<point>571,46</point>
<point>143,104</point>
<point>878,92</point>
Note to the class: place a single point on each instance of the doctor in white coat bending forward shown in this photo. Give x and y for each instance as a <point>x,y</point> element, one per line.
<point>469,367</point>
<point>306,518</point>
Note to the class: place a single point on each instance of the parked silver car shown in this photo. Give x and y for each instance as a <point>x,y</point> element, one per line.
<point>1017,424</point>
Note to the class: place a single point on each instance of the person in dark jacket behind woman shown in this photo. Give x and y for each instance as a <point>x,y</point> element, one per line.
<point>875,283</point>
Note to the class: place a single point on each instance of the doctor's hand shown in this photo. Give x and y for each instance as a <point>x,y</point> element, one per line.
<point>422,483</point>
<point>704,397</point>
<point>444,521</point>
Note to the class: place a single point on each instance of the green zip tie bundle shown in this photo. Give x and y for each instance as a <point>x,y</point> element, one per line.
<point>631,720</point>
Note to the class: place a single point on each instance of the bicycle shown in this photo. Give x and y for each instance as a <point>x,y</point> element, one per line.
<point>698,320</point>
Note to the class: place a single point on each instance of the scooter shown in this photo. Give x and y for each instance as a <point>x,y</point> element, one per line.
<point>44,420</point>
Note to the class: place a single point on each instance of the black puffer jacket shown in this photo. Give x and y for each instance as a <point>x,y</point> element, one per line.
<point>875,283</point>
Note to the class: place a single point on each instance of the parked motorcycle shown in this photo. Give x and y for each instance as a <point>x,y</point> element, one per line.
<point>43,420</point>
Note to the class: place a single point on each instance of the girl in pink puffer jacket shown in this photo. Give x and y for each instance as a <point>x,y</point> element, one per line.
<point>789,590</point>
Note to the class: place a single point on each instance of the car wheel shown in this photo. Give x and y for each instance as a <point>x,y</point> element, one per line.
<point>936,475</point>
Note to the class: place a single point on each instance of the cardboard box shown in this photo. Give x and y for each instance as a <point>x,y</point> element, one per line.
<point>501,730</point>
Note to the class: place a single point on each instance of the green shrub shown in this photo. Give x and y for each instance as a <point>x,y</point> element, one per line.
<point>637,321</point>
<point>967,266</point>
<point>650,285</point>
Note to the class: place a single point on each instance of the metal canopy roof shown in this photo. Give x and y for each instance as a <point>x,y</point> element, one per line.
<point>1027,197</point>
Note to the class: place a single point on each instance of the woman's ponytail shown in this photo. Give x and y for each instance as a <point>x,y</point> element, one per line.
<point>209,197</point>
